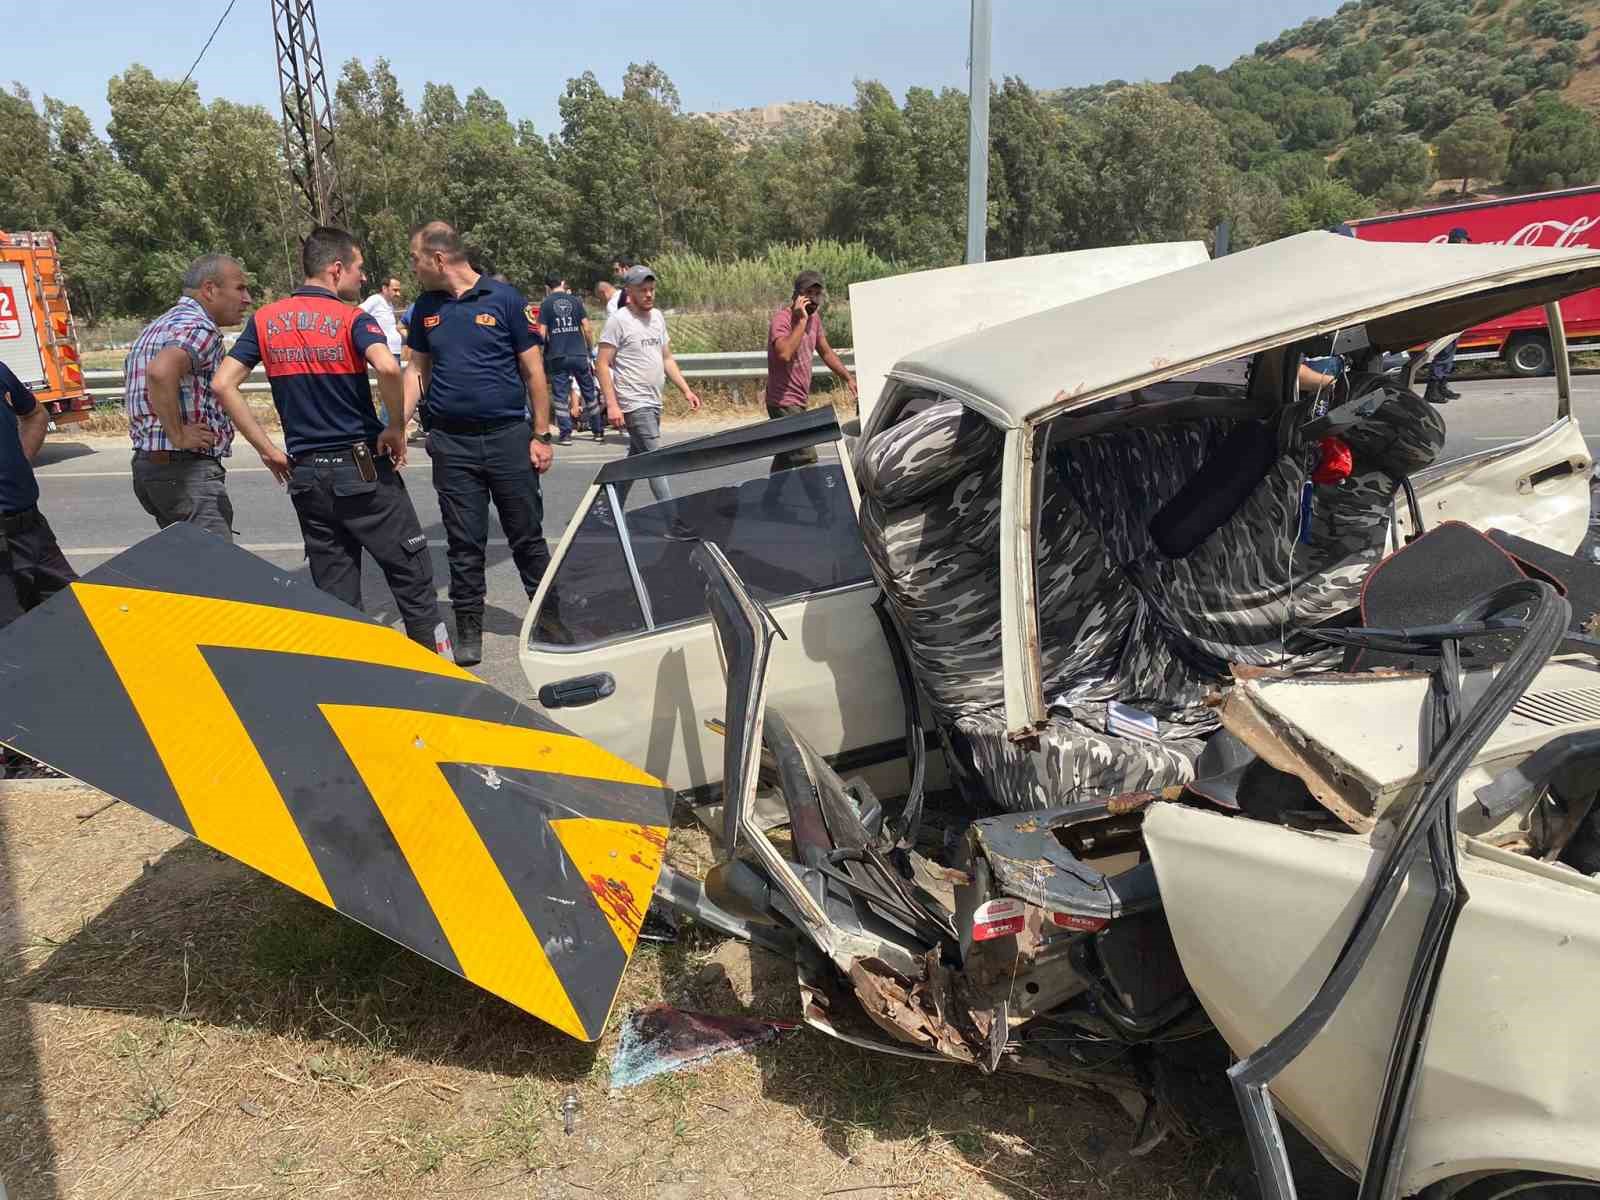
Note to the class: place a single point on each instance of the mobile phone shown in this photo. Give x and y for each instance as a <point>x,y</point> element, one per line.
<point>364,463</point>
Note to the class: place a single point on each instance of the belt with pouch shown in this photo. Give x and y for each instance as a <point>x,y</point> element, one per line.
<point>361,456</point>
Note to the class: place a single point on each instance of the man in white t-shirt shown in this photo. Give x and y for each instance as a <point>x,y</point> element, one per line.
<point>381,307</point>
<point>634,363</point>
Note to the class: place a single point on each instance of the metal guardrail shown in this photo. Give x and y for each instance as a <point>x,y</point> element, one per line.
<point>738,364</point>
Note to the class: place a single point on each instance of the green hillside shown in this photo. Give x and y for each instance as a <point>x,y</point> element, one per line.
<point>1387,103</point>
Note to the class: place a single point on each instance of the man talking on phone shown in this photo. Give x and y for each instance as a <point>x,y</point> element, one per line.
<point>793,336</point>
<point>342,465</point>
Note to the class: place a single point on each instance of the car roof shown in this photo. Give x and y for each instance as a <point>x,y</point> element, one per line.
<point>901,315</point>
<point>1037,366</point>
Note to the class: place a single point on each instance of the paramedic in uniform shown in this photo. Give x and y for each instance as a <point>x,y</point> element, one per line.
<point>476,351</point>
<point>341,466</point>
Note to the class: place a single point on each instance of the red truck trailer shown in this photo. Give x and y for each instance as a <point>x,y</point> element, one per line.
<point>1565,218</point>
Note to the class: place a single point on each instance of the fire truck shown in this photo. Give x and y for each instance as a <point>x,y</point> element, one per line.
<point>1565,218</point>
<point>38,339</point>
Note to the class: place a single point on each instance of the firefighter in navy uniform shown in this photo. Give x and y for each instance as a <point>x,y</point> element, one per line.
<point>476,350</point>
<point>342,462</point>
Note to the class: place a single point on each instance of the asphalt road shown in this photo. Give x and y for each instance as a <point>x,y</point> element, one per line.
<point>87,495</point>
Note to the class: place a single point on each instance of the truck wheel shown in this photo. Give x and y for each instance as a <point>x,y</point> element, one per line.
<point>1521,1185</point>
<point>1528,354</point>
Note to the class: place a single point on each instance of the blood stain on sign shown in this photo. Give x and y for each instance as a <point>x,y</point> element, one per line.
<point>655,836</point>
<point>617,898</point>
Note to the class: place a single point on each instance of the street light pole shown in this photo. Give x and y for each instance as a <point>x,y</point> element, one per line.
<point>978,134</point>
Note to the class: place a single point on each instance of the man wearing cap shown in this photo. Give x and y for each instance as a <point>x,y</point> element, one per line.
<point>793,335</point>
<point>1439,371</point>
<point>567,335</point>
<point>634,362</point>
<point>475,350</point>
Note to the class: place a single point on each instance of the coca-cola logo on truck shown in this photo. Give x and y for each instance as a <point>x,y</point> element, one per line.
<point>1541,233</point>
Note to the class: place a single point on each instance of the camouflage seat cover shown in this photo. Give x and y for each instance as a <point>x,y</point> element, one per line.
<point>930,520</point>
<point>1111,606</point>
<point>1075,761</point>
<point>1249,583</point>
<point>931,523</point>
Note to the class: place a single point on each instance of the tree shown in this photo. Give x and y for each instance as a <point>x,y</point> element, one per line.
<point>1549,18</point>
<point>1323,205</point>
<point>1475,145</point>
<point>385,169</point>
<point>1555,145</point>
<point>1317,120</point>
<point>1255,203</point>
<point>1026,171</point>
<point>882,175</point>
<point>1155,169</point>
<point>1385,115</point>
<point>498,190</point>
<point>787,189</point>
<point>27,199</point>
<point>1297,172</point>
<point>1396,170</point>
<point>605,208</point>
<point>189,179</point>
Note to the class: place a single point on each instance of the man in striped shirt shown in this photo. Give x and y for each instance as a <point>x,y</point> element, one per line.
<point>180,433</point>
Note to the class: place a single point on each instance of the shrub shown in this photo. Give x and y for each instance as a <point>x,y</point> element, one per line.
<point>1549,18</point>
<point>1555,144</point>
<point>695,281</point>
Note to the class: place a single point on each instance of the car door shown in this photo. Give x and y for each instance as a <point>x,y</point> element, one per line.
<point>618,642</point>
<point>1536,488</point>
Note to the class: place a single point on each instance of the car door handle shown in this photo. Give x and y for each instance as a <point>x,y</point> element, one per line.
<point>1560,470</point>
<point>577,691</point>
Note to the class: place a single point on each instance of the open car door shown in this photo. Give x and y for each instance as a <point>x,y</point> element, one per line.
<point>619,645</point>
<point>1536,488</point>
<point>290,732</point>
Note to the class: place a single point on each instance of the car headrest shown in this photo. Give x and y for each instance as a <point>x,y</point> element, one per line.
<point>925,452</point>
<point>1398,432</point>
<point>1214,493</point>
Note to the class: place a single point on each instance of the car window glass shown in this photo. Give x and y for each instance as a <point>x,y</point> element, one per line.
<point>592,597</point>
<point>787,533</point>
<point>916,402</point>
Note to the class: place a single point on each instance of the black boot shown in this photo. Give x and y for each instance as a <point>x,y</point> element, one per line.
<point>469,639</point>
<point>1435,393</point>
<point>1448,392</point>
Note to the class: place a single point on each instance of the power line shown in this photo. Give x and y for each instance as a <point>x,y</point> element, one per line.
<point>178,91</point>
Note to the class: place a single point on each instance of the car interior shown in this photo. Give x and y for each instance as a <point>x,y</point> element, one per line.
<point>1173,541</point>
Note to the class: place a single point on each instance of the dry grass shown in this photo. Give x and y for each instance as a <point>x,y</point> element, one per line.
<point>174,1024</point>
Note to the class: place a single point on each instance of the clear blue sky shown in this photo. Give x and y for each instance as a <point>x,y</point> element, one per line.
<point>721,53</point>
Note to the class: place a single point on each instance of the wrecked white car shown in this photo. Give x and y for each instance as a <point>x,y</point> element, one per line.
<point>1226,694</point>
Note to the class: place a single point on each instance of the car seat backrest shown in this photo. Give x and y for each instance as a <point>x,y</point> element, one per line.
<point>931,523</point>
<point>1221,564</point>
